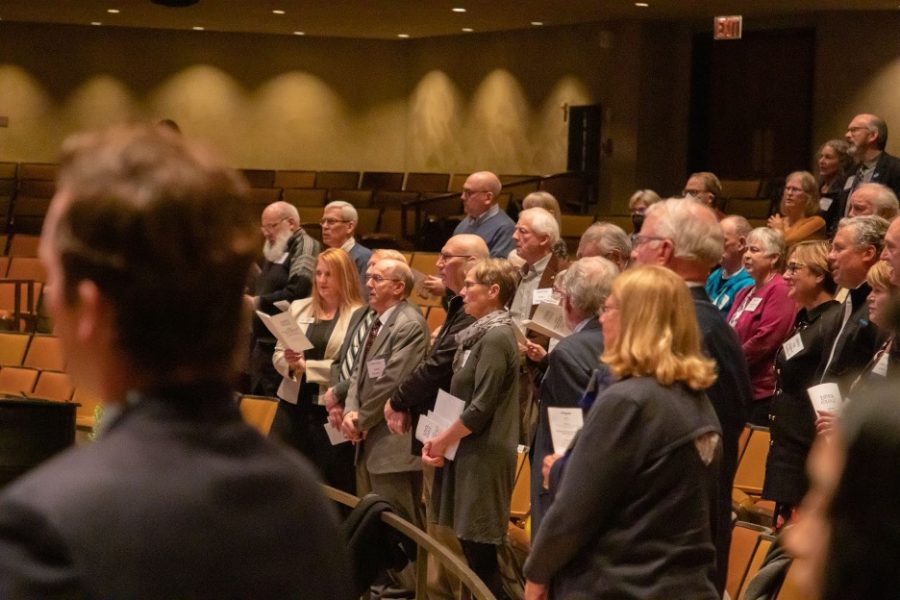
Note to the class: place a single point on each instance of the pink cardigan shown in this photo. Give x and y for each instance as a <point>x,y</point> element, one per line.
<point>762,327</point>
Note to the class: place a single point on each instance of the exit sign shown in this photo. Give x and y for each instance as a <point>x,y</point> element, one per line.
<point>727,28</point>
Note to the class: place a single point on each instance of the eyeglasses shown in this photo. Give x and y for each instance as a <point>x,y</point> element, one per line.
<point>469,193</point>
<point>793,267</point>
<point>378,278</point>
<point>446,257</point>
<point>272,226</point>
<point>640,240</point>
<point>857,128</point>
<point>793,190</point>
<point>331,222</point>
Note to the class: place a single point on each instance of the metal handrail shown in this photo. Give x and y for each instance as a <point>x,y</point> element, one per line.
<point>471,586</point>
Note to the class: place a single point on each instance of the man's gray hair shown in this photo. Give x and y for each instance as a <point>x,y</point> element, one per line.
<point>884,202</point>
<point>542,223</point>
<point>287,211</point>
<point>606,237</point>
<point>587,283</point>
<point>398,269</point>
<point>348,211</point>
<point>694,237</point>
<point>742,226</point>
<point>868,230</point>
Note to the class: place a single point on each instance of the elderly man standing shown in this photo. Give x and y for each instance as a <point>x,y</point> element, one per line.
<point>147,245</point>
<point>395,345</point>
<point>585,287</point>
<point>607,240</point>
<point>483,215</point>
<point>286,274</point>
<point>856,247</point>
<point>873,199</point>
<point>684,235</point>
<point>339,220</point>
<point>536,233</point>
<point>730,277</point>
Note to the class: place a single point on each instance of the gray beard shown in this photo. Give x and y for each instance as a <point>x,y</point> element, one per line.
<point>273,251</point>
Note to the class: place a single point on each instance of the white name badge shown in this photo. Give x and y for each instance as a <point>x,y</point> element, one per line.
<point>792,346</point>
<point>465,357</point>
<point>825,203</point>
<point>375,367</point>
<point>849,183</point>
<point>306,320</point>
<point>881,366</point>
<point>722,301</point>
<point>542,295</point>
<point>753,304</point>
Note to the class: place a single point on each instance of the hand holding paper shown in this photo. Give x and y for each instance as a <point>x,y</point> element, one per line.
<point>285,329</point>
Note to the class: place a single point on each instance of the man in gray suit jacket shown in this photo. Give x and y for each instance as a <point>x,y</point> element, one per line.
<point>396,344</point>
<point>177,497</point>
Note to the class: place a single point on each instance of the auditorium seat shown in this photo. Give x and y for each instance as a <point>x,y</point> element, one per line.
<point>751,469</point>
<point>520,504</point>
<point>791,589</point>
<point>337,180</point>
<point>19,313</point>
<point>17,381</point>
<point>54,385</point>
<point>740,188</point>
<point>568,190</point>
<point>572,226</point>
<point>368,220</point>
<point>259,412</point>
<point>305,196</point>
<point>28,213</point>
<point>436,317</point>
<point>396,199</point>
<point>12,347</point>
<point>24,245</point>
<point>425,263</point>
<point>358,198</point>
<point>457,180</point>
<point>88,402</point>
<point>744,539</point>
<point>4,266</point>
<point>260,198</point>
<point>390,181</point>
<point>38,171</point>
<point>294,179</point>
<point>260,178</point>
<point>763,544</point>
<point>45,352</point>
<point>26,267</point>
<point>427,182</point>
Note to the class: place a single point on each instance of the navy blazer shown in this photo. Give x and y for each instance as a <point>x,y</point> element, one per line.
<point>177,499</point>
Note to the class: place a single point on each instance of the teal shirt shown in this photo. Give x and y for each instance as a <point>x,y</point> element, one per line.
<point>722,290</point>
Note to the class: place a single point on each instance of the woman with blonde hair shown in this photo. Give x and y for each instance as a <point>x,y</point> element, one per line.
<point>632,517</point>
<point>799,219</point>
<point>324,318</point>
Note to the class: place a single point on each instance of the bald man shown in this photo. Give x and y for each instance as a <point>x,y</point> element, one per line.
<point>484,218</point>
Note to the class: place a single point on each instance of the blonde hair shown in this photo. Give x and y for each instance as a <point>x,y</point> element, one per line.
<point>879,276</point>
<point>344,271</point>
<point>658,332</point>
<point>544,200</point>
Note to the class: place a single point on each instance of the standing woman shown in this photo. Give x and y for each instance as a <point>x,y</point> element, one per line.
<point>799,220</point>
<point>323,317</point>
<point>763,315</point>
<point>793,424</point>
<point>834,163</point>
<point>633,515</point>
<point>472,492</point>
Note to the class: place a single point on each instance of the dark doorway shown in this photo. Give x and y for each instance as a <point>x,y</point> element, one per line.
<point>751,104</point>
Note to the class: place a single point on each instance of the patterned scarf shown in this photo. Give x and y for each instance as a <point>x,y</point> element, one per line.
<point>469,336</point>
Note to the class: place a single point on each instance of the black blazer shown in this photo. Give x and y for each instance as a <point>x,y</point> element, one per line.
<point>887,172</point>
<point>177,499</point>
<point>858,342</point>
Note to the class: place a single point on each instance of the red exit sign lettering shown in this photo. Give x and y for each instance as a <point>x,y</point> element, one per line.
<point>727,28</point>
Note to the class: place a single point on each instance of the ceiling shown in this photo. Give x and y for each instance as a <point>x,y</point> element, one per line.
<point>387,19</point>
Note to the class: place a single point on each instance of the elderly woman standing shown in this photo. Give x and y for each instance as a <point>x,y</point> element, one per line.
<point>799,219</point>
<point>762,316</point>
<point>472,493</point>
<point>652,435</point>
<point>793,428</point>
<point>324,318</point>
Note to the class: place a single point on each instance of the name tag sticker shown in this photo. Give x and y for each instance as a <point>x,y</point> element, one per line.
<point>849,183</point>
<point>881,366</point>
<point>542,295</point>
<point>306,320</point>
<point>792,346</point>
<point>465,357</point>
<point>722,301</point>
<point>753,304</point>
<point>825,203</point>
<point>375,367</point>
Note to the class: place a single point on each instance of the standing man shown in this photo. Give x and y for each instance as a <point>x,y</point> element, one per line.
<point>867,135</point>
<point>730,277</point>
<point>483,215</point>
<point>684,236</point>
<point>286,274</point>
<point>608,241</point>
<point>147,245</point>
<point>856,247</point>
<point>536,233</point>
<point>338,222</point>
<point>395,345</point>
<point>706,188</point>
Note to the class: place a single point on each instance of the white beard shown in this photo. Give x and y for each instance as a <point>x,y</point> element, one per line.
<point>273,251</point>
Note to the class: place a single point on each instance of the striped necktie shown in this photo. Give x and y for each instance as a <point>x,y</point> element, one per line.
<point>362,330</point>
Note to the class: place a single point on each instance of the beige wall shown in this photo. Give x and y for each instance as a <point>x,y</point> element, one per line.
<point>457,104</point>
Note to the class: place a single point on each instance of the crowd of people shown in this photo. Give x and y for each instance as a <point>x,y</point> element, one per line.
<point>666,342</point>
